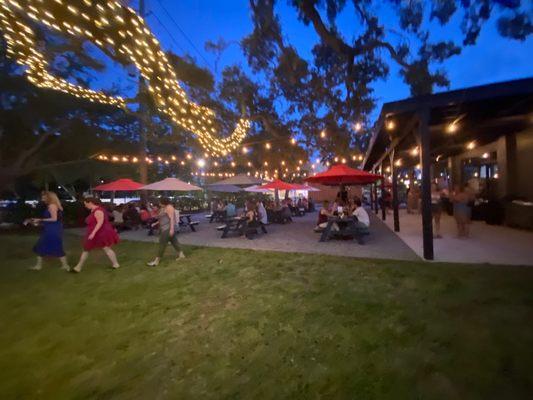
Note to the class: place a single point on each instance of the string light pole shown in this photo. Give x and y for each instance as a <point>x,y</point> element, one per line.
<point>143,165</point>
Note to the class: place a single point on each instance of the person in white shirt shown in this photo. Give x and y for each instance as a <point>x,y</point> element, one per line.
<point>262,213</point>
<point>363,220</point>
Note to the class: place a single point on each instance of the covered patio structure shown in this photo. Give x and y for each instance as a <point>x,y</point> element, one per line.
<point>480,136</point>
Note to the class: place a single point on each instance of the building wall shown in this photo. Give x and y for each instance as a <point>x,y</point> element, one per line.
<point>515,164</point>
<point>524,164</point>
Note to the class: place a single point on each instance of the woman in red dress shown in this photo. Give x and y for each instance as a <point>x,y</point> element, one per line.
<point>100,233</point>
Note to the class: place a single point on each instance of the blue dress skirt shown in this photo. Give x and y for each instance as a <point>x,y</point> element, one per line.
<point>50,243</point>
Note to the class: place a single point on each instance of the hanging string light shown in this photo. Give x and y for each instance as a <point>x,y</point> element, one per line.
<point>119,31</point>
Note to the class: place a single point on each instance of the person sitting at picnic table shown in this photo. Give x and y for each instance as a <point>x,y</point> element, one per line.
<point>285,212</point>
<point>144,214</point>
<point>117,216</point>
<point>305,204</point>
<point>363,220</point>
<point>252,218</point>
<point>323,216</point>
<point>229,209</point>
<point>132,219</point>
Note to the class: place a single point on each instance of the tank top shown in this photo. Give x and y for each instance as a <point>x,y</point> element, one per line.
<point>164,220</point>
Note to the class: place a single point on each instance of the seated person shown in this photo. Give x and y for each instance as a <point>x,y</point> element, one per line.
<point>323,216</point>
<point>363,220</point>
<point>144,214</point>
<point>154,212</point>
<point>305,204</point>
<point>131,217</point>
<point>118,220</point>
<point>285,212</point>
<point>230,210</point>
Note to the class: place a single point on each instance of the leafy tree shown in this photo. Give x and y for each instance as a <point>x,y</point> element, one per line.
<point>333,90</point>
<point>41,128</point>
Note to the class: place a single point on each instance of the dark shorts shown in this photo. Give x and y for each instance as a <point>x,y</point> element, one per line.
<point>436,208</point>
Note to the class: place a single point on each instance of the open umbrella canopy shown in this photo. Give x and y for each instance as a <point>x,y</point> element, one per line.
<point>256,189</point>
<point>343,175</point>
<point>120,185</point>
<point>278,184</point>
<point>240,180</point>
<point>306,187</point>
<point>171,184</point>
<point>223,188</point>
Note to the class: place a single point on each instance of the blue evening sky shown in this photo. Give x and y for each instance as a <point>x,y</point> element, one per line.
<point>492,59</point>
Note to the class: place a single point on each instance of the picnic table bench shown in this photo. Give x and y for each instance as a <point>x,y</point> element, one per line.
<point>240,226</point>
<point>186,221</point>
<point>347,227</point>
<point>217,216</point>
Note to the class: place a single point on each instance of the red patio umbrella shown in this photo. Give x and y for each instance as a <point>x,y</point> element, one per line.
<point>341,174</point>
<point>278,184</point>
<point>120,185</point>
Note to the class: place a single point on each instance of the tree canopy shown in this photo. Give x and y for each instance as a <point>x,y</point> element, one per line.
<point>290,98</point>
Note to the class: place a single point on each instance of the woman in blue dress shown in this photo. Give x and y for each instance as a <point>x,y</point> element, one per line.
<point>50,243</point>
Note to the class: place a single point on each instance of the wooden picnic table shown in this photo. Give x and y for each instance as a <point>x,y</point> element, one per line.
<point>240,225</point>
<point>347,227</point>
<point>218,216</point>
<point>186,221</point>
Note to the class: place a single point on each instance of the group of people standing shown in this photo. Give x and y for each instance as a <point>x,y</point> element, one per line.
<point>461,198</point>
<point>100,233</point>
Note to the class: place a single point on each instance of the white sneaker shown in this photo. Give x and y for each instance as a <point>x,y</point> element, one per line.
<point>65,267</point>
<point>180,255</point>
<point>154,263</point>
<point>116,266</point>
<point>76,269</point>
<point>35,268</point>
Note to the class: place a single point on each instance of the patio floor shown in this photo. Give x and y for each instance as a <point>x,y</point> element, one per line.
<point>487,243</point>
<point>297,237</point>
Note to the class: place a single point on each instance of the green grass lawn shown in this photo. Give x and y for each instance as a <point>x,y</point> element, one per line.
<point>238,324</point>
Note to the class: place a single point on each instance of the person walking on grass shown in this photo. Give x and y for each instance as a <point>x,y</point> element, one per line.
<point>100,233</point>
<point>168,226</point>
<point>50,243</point>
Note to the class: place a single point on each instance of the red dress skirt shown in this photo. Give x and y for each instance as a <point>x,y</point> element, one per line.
<point>106,236</point>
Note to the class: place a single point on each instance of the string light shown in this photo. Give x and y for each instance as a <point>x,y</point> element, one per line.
<point>390,125</point>
<point>116,29</point>
<point>471,145</point>
<point>452,128</point>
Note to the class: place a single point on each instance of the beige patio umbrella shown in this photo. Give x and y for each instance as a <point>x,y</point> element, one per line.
<point>171,184</point>
<point>240,180</point>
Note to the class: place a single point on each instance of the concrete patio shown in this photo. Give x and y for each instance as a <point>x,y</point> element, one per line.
<point>296,237</point>
<point>487,243</point>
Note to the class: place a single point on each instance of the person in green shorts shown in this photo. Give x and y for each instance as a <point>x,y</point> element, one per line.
<point>168,226</point>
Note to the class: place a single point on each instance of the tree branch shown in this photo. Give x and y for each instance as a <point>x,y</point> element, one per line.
<point>336,43</point>
<point>26,154</point>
